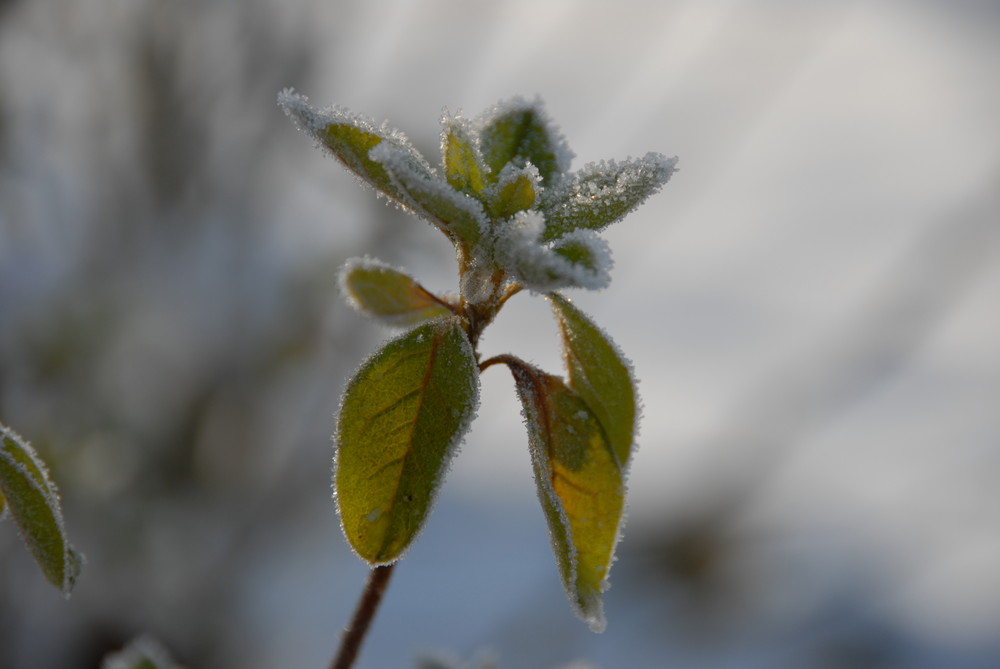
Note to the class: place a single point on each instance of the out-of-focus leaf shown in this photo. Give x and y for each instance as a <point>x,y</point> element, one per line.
<point>383,292</point>
<point>579,483</point>
<point>516,190</point>
<point>463,165</point>
<point>460,216</point>
<point>603,193</point>
<point>33,503</point>
<point>402,417</point>
<point>141,653</point>
<point>519,132</point>
<point>600,374</point>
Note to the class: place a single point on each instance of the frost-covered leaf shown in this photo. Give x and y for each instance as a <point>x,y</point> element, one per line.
<point>383,292</point>
<point>579,484</point>
<point>350,138</point>
<point>384,158</point>
<point>600,374</point>
<point>520,132</point>
<point>516,190</point>
<point>33,503</point>
<point>401,419</point>
<point>463,164</point>
<point>584,249</point>
<point>141,653</point>
<point>460,216</point>
<point>603,193</point>
<point>579,260</point>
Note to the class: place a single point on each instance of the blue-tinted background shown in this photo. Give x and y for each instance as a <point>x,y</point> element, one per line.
<point>812,306</point>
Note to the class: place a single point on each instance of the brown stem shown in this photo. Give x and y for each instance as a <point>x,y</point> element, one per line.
<point>378,579</point>
<point>503,359</point>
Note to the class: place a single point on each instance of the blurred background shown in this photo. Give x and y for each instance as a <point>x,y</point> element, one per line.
<point>812,306</point>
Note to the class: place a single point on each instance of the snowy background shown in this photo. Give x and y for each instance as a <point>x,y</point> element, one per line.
<point>812,305</point>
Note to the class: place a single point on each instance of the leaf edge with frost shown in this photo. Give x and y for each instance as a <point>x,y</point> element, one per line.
<point>30,495</point>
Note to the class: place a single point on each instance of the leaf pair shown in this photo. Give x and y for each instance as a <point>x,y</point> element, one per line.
<point>31,498</point>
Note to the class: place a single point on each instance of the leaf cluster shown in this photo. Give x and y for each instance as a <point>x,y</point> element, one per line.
<point>518,218</point>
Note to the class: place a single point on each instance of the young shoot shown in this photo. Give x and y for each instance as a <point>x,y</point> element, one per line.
<point>504,195</point>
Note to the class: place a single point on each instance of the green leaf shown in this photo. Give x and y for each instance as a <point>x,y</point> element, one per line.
<point>463,165</point>
<point>33,502</point>
<point>402,417</point>
<point>516,190</point>
<point>603,193</point>
<point>580,485</point>
<point>600,374</point>
<point>519,132</point>
<point>460,216</point>
<point>378,290</point>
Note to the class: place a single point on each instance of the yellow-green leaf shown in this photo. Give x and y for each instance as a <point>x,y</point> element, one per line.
<point>402,417</point>
<point>460,216</point>
<point>378,290</point>
<point>599,373</point>
<point>384,158</point>
<point>516,190</point>
<point>351,144</point>
<point>33,502</point>
<point>463,165</point>
<point>350,139</point>
<point>580,485</point>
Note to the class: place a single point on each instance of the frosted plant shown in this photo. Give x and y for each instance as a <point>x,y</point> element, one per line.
<point>518,218</point>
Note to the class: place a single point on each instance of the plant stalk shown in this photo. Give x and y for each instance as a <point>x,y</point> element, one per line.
<point>378,579</point>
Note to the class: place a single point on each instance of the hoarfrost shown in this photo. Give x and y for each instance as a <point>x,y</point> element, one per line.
<point>459,144</point>
<point>579,260</point>
<point>517,188</point>
<point>348,137</point>
<point>603,193</point>
<point>313,121</point>
<point>476,282</point>
<point>429,195</point>
<point>559,154</point>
